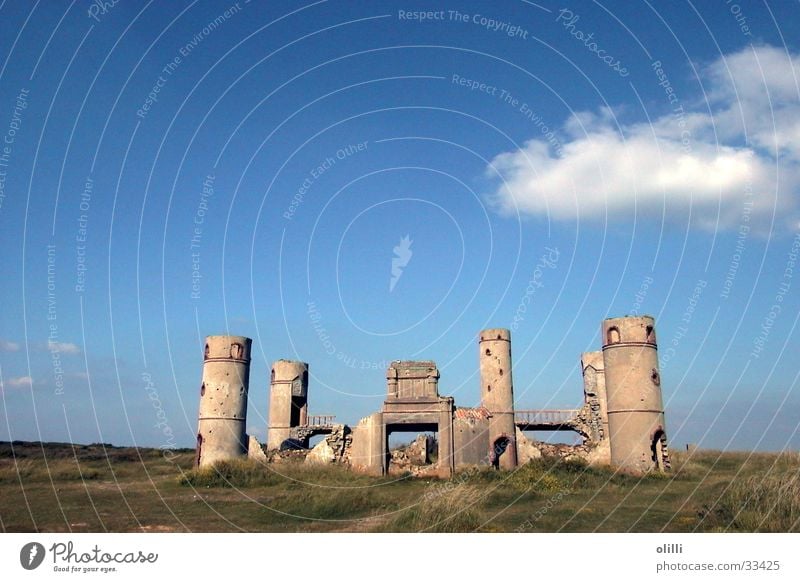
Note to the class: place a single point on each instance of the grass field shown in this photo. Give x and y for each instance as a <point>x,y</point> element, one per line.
<point>60,487</point>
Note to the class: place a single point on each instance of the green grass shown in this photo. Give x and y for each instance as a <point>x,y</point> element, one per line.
<point>59,487</point>
<point>235,474</point>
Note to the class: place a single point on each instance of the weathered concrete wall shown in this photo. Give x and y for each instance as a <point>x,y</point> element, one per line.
<point>497,392</point>
<point>368,448</point>
<point>633,388</point>
<point>594,386</point>
<point>223,399</point>
<point>596,405</point>
<point>471,441</point>
<point>288,400</point>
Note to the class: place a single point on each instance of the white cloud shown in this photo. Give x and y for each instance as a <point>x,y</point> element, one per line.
<point>63,347</point>
<point>18,382</point>
<point>7,346</point>
<point>747,148</point>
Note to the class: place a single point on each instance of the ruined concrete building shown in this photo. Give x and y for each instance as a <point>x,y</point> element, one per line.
<point>620,423</point>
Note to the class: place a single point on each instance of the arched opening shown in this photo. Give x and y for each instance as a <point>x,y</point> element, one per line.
<point>651,334</point>
<point>612,336</point>
<point>202,389</point>
<point>198,452</point>
<point>498,449</point>
<point>658,450</point>
<point>272,376</point>
<point>206,352</point>
<point>237,351</point>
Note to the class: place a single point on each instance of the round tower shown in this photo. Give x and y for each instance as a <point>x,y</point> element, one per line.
<point>221,432</point>
<point>633,392</point>
<point>288,400</point>
<point>497,395</point>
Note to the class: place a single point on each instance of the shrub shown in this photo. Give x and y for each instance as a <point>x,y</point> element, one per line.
<point>235,473</point>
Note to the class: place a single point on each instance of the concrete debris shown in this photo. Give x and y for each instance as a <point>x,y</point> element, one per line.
<point>255,450</point>
<point>415,458</point>
<point>321,454</point>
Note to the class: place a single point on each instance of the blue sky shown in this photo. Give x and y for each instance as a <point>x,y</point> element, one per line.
<point>175,170</point>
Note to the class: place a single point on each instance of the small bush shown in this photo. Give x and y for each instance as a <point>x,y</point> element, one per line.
<point>235,473</point>
<point>535,476</point>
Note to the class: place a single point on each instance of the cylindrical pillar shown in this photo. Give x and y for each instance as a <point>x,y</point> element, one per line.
<point>288,394</point>
<point>497,395</point>
<point>633,392</point>
<point>221,432</point>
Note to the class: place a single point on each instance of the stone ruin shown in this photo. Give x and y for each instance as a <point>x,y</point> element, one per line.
<point>621,421</point>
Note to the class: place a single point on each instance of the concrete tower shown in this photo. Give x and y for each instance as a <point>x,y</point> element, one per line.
<point>223,399</point>
<point>288,400</point>
<point>497,395</point>
<point>633,391</point>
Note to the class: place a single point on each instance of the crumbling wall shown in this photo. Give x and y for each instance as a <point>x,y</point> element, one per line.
<point>287,456</point>
<point>588,422</point>
<point>527,450</point>
<point>332,448</point>
<point>592,453</point>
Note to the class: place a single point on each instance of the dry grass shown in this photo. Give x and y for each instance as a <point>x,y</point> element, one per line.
<point>451,510</point>
<point>769,503</point>
<point>30,470</point>
<point>98,487</point>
